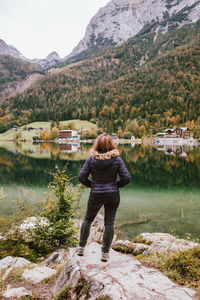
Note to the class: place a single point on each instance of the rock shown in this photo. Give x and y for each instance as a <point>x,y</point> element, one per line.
<point>9,263</point>
<point>154,243</point>
<point>16,292</point>
<point>38,274</point>
<point>129,247</point>
<point>97,228</point>
<point>165,243</point>
<point>55,258</point>
<point>122,277</point>
<point>120,20</point>
<point>10,50</point>
<point>52,56</point>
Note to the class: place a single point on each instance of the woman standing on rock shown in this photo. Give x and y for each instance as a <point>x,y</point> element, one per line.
<point>104,165</point>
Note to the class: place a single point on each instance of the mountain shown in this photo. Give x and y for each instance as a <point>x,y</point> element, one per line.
<point>10,50</point>
<point>143,85</point>
<point>16,75</point>
<point>120,20</point>
<point>122,89</point>
<point>49,62</point>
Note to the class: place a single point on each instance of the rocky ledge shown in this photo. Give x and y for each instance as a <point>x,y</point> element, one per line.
<point>64,275</point>
<point>122,277</point>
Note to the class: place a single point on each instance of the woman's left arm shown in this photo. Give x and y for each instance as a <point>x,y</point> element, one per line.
<point>84,173</point>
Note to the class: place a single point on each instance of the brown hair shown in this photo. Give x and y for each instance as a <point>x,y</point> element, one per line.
<point>104,142</point>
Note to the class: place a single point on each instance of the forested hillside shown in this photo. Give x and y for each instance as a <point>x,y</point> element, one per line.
<point>14,69</point>
<point>142,86</point>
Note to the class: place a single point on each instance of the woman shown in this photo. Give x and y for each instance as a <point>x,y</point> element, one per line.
<point>104,165</point>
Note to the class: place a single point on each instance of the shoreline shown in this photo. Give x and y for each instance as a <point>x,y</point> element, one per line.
<point>145,141</point>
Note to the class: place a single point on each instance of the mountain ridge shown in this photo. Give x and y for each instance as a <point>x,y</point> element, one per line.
<point>120,20</point>
<point>50,61</point>
<point>10,50</point>
<point>113,89</point>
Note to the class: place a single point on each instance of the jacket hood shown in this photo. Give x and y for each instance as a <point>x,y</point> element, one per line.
<point>105,155</point>
<point>105,159</point>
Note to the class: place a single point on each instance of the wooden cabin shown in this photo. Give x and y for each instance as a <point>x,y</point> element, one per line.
<point>183,132</point>
<point>170,133</point>
<point>68,134</point>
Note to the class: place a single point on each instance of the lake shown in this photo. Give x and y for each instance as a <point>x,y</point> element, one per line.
<point>163,196</point>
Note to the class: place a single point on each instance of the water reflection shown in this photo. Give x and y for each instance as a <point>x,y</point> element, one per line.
<point>164,192</point>
<point>160,166</point>
<point>182,151</point>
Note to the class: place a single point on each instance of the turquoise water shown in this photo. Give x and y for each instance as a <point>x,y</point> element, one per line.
<point>164,194</point>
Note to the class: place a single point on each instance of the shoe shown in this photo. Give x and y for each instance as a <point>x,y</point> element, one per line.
<point>104,256</point>
<point>80,251</point>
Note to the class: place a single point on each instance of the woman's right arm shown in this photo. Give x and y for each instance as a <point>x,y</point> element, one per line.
<point>84,173</point>
<point>125,177</point>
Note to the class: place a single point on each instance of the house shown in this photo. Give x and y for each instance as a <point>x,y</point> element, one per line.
<point>183,132</point>
<point>160,134</point>
<point>179,132</point>
<point>170,133</point>
<point>68,134</point>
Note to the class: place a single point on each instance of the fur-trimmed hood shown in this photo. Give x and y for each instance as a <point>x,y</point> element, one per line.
<point>104,155</point>
<point>104,160</point>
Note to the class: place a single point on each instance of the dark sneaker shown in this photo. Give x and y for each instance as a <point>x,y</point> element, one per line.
<point>104,256</point>
<point>80,251</point>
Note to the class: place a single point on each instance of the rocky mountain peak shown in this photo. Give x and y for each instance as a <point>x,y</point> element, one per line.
<point>52,56</point>
<point>10,50</point>
<point>120,20</point>
<point>50,61</point>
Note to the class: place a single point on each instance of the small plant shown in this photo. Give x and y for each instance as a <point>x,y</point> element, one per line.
<point>173,232</point>
<point>141,240</point>
<point>82,288</point>
<point>123,248</point>
<point>64,294</point>
<point>60,208</point>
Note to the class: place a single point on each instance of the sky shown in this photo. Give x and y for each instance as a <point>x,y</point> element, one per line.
<point>38,27</point>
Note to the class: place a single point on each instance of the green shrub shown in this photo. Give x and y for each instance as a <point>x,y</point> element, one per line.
<point>139,239</point>
<point>59,209</point>
<point>58,229</point>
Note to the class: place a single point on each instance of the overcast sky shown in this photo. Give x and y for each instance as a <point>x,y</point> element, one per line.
<point>38,27</point>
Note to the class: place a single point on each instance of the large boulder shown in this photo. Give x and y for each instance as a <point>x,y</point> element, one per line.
<point>38,274</point>
<point>9,263</point>
<point>165,243</point>
<point>16,293</point>
<point>55,258</point>
<point>122,277</point>
<point>154,243</point>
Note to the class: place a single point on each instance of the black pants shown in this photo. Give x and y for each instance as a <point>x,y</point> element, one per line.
<point>110,201</point>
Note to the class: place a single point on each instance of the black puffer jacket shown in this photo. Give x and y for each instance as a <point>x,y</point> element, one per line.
<point>104,168</point>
